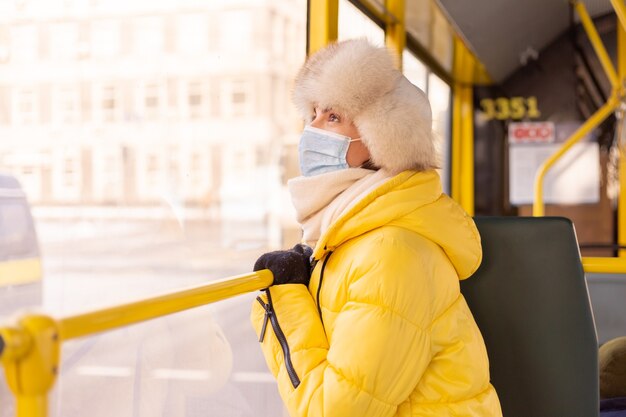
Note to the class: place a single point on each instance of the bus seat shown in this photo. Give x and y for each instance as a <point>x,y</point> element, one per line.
<point>530,300</point>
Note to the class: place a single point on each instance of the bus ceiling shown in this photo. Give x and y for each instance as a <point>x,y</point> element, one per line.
<point>505,34</point>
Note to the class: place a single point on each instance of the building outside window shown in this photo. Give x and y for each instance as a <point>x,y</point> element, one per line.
<point>237,98</point>
<point>63,41</point>
<point>69,172</point>
<point>109,104</point>
<point>112,187</point>
<point>173,168</point>
<point>278,34</point>
<point>66,106</point>
<point>215,99</point>
<point>196,169</point>
<point>66,175</point>
<point>109,185</point>
<point>235,30</point>
<point>24,43</point>
<point>196,100</point>
<point>278,99</point>
<point>105,38</point>
<point>190,201</point>
<point>193,34</point>
<point>151,175</point>
<point>30,178</point>
<point>5,44</point>
<point>152,101</point>
<point>197,174</point>
<point>25,106</point>
<point>149,35</point>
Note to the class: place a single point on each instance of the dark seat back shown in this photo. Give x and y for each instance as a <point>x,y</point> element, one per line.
<point>530,300</point>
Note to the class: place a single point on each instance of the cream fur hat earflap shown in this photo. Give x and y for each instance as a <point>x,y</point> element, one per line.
<point>359,81</point>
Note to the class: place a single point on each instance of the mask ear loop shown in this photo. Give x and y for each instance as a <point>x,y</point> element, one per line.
<point>367,164</point>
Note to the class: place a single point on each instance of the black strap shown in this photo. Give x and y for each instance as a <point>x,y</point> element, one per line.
<point>319,287</point>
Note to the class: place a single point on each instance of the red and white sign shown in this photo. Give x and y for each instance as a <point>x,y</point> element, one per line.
<point>531,132</point>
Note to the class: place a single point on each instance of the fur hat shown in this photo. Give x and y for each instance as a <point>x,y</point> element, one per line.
<point>359,81</point>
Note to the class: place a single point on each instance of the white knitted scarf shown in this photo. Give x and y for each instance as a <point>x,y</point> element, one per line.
<point>321,199</point>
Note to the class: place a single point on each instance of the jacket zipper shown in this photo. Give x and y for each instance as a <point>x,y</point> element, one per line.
<point>319,287</point>
<point>271,317</point>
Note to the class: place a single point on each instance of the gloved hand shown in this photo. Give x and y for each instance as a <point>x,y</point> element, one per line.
<point>291,266</point>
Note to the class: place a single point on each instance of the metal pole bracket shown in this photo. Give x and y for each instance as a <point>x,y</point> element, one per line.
<point>30,358</point>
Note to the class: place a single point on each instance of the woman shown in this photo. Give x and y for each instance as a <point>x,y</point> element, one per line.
<point>379,327</point>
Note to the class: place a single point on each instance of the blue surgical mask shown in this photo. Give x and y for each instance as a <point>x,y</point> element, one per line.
<point>322,151</point>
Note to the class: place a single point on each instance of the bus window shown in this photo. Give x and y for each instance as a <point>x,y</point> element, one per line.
<point>439,97</point>
<point>17,237</point>
<point>354,24</point>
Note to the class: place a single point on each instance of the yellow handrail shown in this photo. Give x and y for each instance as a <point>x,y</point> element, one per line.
<point>29,351</point>
<point>597,44</point>
<point>604,265</point>
<point>131,313</point>
<point>597,118</point>
<point>603,112</point>
<point>620,11</point>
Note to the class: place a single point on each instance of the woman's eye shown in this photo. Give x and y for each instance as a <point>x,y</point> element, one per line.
<point>333,117</point>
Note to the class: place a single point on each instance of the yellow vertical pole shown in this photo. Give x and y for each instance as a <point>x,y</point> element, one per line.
<point>462,188</point>
<point>323,22</point>
<point>596,42</point>
<point>621,69</point>
<point>32,406</point>
<point>621,51</point>
<point>455,177</point>
<point>395,33</point>
<point>620,10</point>
<point>457,133</point>
<point>467,128</point>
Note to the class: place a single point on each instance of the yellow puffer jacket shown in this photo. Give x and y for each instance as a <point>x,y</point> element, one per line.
<point>383,329</point>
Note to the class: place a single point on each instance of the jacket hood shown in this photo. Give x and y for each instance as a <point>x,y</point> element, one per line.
<point>412,200</point>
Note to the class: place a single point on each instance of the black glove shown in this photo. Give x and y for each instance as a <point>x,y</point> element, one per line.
<point>291,266</point>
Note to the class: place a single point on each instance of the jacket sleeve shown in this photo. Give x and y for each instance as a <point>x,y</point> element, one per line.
<point>375,359</point>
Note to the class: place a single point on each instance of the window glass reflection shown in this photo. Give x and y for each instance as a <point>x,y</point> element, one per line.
<point>439,97</point>
<point>354,24</point>
<point>414,70</point>
<point>150,138</point>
